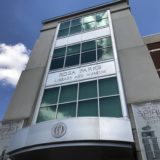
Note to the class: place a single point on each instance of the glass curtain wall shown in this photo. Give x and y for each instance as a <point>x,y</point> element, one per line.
<point>82,53</point>
<point>95,98</point>
<point>83,24</point>
<point>98,97</point>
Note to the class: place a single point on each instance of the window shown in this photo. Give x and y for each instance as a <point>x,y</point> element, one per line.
<point>46,113</point>
<point>104,42</point>
<point>76,26</point>
<point>86,46</point>
<point>75,29</point>
<point>66,110</point>
<point>88,108</point>
<point>65,25</point>
<point>83,24</point>
<point>64,29</point>
<point>108,86</point>
<point>83,99</point>
<point>88,57</point>
<point>68,93</point>
<point>59,52</point>
<point>50,96</point>
<point>57,63</point>
<point>88,90</point>
<point>82,53</point>
<point>73,49</point>
<point>110,107</point>
<point>72,60</point>
<point>101,19</point>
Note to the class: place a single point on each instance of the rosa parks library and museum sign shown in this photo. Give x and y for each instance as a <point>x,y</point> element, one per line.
<point>81,73</point>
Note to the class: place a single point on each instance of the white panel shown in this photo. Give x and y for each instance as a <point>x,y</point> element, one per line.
<point>83,37</point>
<point>103,32</point>
<point>89,35</point>
<point>95,34</point>
<point>81,73</point>
<point>75,39</point>
<point>61,42</point>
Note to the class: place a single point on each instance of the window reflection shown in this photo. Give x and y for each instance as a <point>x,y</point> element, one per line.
<point>81,53</point>
<point>101,15</point>
<point>104,42</point>
<point>104,54</point>
<point>88,19</point>
<point>102,23</point>
<point>66,110</point>
<point>89,26</point>
<point>46,113</point>
<point>85,23</point>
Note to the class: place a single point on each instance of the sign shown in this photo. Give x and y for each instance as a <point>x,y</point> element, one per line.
<point>81,73</point>
<point>59,130</point>
<point>6,132</point>
<point>147,120</point>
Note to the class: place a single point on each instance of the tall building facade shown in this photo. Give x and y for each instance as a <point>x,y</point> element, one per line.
<point>89,91</point>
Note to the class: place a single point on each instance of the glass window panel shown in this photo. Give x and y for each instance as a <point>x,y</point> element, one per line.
<point>57,63</point>
<point>89,26</point>
<point>110,107</point>
<point>46,113</point>
<point>50,96</point>
<point>75,29</point>
<point>86,46</point>
<point>65,25</point>
<point>66,110</point>
<point>72,60</point>
<point>101,15</point>
<point>88,57</point>
<point>76,22</point>
<point>88,108</point>
<point>73,49</point>
<point>108,86</point>
<point>106,53</point>
<point>104,42</point>
<point>88,89</point>
<point>68,93</point>
<point>89,18</point>
<point>102,23</point>
<point>59,52</point>
<point>63,32</point>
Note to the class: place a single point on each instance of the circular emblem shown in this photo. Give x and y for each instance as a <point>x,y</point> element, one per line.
<point>59,130</point>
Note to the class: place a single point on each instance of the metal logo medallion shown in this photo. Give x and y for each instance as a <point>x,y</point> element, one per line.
<point>59,130</point>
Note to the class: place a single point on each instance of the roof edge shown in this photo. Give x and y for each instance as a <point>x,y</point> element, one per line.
<point>84,10</point>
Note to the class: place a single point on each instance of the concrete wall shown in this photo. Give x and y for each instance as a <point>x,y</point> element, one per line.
<point>141,82</point>
<point>26,93</point>
<point>140,79</point>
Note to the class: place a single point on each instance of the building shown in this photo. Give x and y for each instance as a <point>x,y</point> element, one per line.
<point>90,91</point>
<point>153,44</point>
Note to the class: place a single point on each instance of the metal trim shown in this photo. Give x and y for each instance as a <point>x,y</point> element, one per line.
<point>119,77</point>
<point>72,144</point>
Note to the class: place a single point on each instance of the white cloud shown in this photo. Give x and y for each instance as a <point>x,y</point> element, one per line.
<point>13,60</point>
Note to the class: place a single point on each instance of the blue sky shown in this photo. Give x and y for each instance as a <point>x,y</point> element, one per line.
<point>21,22</point>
